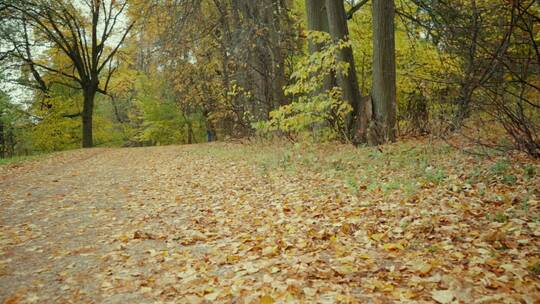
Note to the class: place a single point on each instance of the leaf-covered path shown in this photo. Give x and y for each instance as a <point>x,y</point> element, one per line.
<point>204,223</point>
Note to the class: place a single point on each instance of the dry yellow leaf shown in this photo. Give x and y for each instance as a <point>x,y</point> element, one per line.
<point>393,246</point>
<point>364,256</point>
<point>383,286</point>
<point>377,236</point>
<point>266,299</point>
<point>124,238</point>
<point>231,259</point>
<point>270,251</point>
<point>442,296</point>
<point>421,267</point>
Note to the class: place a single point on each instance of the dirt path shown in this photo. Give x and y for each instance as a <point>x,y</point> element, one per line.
<point>180,225</point>
<point>61,224</point>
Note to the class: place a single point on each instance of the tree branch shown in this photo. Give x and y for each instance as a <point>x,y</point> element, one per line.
<point>355,8</point>
<point>72,115</point>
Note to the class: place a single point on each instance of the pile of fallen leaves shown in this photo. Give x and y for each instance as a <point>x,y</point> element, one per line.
<point>413,222</point>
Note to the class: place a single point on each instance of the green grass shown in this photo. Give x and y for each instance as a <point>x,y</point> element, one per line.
<point>500,167</point>
<point>529,171</point>
<point>397,171</point>
<point>498,217</point>
<point>19,159</point>
<point>400,167</point>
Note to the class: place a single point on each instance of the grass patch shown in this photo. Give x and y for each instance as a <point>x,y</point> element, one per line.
<point>396,171</point>
<point>498,217</point>
<point>435,176</point>
<point>19,159</point>
<point>529,171</point>
<point>500,167</point>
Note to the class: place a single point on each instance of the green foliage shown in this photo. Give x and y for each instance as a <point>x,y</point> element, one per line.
<point>316,111</point>
<point>56,122</point>
<point>163,123</point>
<point>53,131</point>
<point>15,127</point>
<point>529,171</point>
<point>58,127</point>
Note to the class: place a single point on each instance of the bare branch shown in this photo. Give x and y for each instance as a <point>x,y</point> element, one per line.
<point>355,8</point>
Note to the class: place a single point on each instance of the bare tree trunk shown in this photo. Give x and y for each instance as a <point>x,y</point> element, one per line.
<point>87,114</point>
<point>384,72</point>
<point>339,30</point>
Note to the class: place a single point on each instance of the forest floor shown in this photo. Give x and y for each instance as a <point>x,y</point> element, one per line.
<point>262,223</point>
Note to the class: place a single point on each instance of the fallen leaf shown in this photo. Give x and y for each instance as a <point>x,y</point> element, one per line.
<point>442,296</point>
<point>393,246</point>
<point>266,299</point>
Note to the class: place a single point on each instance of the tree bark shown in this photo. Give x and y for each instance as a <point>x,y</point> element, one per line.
<point>317,20</point>
<point>277,10</point>
<point>87,114</point>
<point>189,133</point>
<point>468,84</point>
<point>2,141</point>
<point>10,143</point>
<point>339,30</point>
<point>384,72</point>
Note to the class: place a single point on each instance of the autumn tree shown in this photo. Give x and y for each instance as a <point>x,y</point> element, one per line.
<point>331,16</point>
<point>89,34</point>
<point>261,36</point>
<point>493,77</point>
<point>229,60</point>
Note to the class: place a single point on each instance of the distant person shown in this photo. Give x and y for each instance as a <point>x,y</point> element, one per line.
<point>209,136</point>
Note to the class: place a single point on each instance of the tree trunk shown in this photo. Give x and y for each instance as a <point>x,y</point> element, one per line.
<point>87,113</point>
<point>384,72</point>
<point>463,105</point>
<point>2,141</point>
<point>339,30</point>
<point>10,143</point>
<point>189,133</point>
<point>317,20</point>
<point>468,85</point>
<point>277,26</point>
